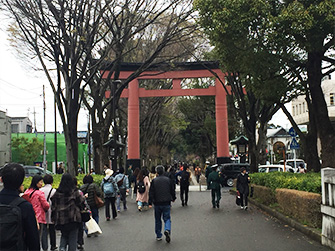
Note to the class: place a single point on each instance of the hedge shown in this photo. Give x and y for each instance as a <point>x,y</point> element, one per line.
<point>303,206</point>
<point>57,177</point>
<point>309,182</point>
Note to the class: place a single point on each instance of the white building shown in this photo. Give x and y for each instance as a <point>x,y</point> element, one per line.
<point>5,138</point>
<point>21,125</point>
<point>276,140</point>
<point>300,109</point>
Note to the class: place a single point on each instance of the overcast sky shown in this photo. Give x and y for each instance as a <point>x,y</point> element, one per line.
<point>21,91</point>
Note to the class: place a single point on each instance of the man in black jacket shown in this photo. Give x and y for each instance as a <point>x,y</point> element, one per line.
<point>12,176</point>
<point>161,194</point>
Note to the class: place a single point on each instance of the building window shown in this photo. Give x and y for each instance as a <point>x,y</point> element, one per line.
<point>293,110</point>
<point>303,107</point>
<point>331,96</point>
<point>299,108</point>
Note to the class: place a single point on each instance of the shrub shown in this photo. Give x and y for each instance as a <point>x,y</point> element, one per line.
<point>303,206</point>
<point>264,195</point>
<point>57,177</point>
<point>309,182</point>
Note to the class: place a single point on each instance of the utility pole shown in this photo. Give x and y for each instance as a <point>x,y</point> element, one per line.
<point>44,138</point>
<point>55,108</point>
<point>35,123</point>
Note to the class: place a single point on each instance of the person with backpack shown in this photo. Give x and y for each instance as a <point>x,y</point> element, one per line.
<point>20,229</point>
<point>49,227</point>
<point>110,189</point>
<point>89,188</point>
<point>123,184</point>
<point>66,204</point>
<point>143,186</point>
<point>184,184</point>
<point>37,198</point>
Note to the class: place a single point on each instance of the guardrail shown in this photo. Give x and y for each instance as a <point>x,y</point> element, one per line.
<point>328,207</point>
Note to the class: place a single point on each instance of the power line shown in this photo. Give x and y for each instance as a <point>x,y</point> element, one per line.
<point>6,82</point>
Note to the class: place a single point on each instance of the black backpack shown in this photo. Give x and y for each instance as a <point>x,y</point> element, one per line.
<point>185,178</point>
<point>11,237</point>
<point>141,187</point>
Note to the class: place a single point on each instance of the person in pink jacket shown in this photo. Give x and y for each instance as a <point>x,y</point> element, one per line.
<point>37,199</point>
<point>143,186</point>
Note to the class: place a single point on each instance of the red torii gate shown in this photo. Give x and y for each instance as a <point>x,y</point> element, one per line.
<point>177,74</point>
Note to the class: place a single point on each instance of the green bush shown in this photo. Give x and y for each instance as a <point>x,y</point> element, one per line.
<point>57,177</point>
<point>309,182</point>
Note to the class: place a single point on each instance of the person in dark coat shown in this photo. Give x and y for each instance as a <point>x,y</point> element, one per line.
<point>161,193</point>
<point>214,182</point>
<point>184,185</point>
<point>12,176</point>
<point>242,186</point>
<point>89,189</point>
<point>66,204</point>
<point>207,172</point>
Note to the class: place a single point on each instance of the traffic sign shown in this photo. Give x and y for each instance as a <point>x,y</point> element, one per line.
<point>292,132</point>
<point>294,144</point>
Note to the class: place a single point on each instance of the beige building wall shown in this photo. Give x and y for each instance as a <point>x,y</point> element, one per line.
<point>5,138</point>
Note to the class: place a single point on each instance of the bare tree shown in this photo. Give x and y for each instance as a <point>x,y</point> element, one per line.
<point>72,40</point>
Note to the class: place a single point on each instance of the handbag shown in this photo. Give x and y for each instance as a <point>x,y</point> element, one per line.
<point>85,215</point>
<point>98,201</point>
<point>238,199</point>
<point>92,227</point>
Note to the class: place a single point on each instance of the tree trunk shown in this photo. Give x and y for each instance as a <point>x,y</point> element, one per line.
<point>324,126</point>
<point>71,142</point>
<point>101,154</point>
<point>261,155</point>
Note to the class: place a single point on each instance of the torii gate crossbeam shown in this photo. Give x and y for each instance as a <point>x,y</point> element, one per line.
<point>185,71</point>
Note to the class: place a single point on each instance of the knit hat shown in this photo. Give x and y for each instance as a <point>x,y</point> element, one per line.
<point>109,172</point>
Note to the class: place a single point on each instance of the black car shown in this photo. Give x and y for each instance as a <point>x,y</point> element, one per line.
<point>229,171</point>
<point>32,170</point>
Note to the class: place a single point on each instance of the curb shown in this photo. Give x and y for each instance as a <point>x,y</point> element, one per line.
<point>310,232</point>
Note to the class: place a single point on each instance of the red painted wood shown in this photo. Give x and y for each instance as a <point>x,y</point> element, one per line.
<point>133,93</point>
<point>222,136</point>
<point>133,121</point>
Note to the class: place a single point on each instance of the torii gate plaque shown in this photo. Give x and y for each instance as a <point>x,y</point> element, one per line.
<point>177,74</point>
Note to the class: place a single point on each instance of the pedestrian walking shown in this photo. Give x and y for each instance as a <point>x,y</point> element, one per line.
<point>66,204</point>
<point>152,173</point>
<point>197,173</point>
<point>37,198</point>
<point>214,182</point>
<point>184,184</point>
<point>161,194</point>
<point>123,185</point>
<point>49,227</point>
<point>12,176</point>
<point>110,189</point>
<point>90,189</point>
<point>143,186</point>
<point>60,169</point>
<point>208,170</point>
<point>242,186</point>
<point>84,205</point>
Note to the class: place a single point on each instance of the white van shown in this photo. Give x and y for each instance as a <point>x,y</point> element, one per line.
<point>298,162</point>
<point>274,168</point>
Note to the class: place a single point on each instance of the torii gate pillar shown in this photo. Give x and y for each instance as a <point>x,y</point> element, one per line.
<point>133,125</point>
<point>222,136</point>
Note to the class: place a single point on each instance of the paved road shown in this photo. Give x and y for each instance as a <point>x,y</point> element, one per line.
<point>199,227</point>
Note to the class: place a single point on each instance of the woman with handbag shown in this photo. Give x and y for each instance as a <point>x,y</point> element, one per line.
<point>66,203</point>
<point>91,192</point>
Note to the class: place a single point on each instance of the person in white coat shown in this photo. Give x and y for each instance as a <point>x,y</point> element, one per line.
<point>49,227</point>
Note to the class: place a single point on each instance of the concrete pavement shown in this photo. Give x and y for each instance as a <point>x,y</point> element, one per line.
<point>199,227</point>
